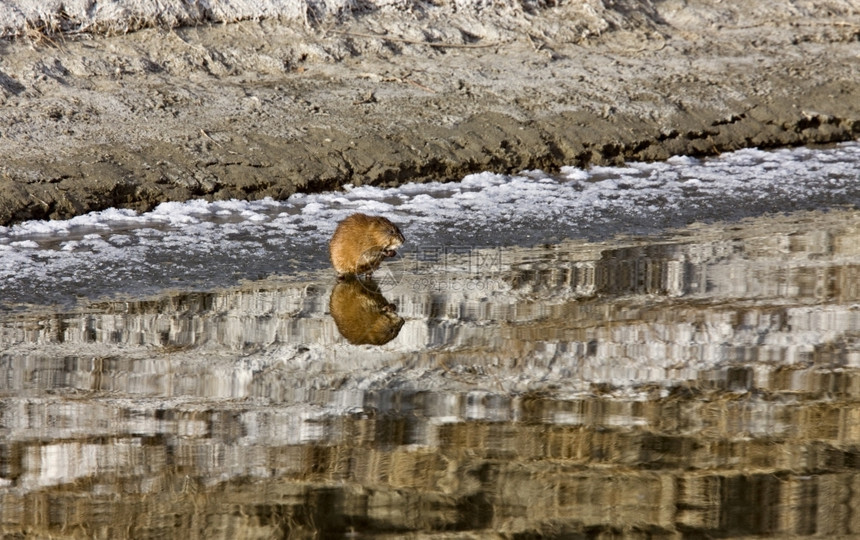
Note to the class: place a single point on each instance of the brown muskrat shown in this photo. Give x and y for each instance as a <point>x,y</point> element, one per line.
<point>361,242</point>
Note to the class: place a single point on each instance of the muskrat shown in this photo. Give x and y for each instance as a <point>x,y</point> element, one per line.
<point>361,242</point>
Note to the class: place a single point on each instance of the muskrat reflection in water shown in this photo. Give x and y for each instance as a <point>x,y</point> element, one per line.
<point>362,315</point>
<point>361,242</point>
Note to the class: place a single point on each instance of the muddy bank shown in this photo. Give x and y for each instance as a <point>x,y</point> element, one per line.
<point>272,106</point>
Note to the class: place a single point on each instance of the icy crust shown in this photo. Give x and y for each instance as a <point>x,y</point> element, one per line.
<point>201,244</point>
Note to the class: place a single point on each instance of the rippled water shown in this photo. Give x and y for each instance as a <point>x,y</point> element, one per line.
<point>569,374</point>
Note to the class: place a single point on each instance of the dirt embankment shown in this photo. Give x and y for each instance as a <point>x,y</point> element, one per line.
<point>272,106</point>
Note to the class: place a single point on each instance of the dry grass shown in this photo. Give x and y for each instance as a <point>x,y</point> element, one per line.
<point>42,34</point>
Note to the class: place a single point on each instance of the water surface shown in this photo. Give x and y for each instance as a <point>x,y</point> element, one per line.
<point>666,369</point>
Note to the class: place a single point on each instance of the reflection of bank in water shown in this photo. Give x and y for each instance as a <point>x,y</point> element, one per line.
<point>362,315</point>
<point>807,257</point>
<point>691,384</point>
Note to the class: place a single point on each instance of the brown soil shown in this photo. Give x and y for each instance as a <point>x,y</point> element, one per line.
<point>266,108</point>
